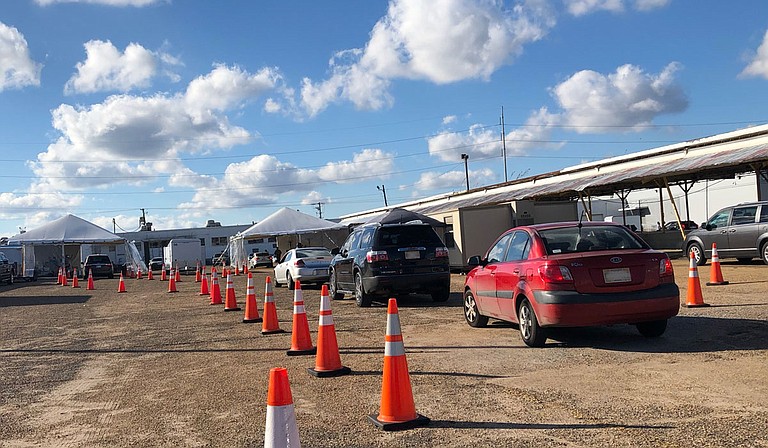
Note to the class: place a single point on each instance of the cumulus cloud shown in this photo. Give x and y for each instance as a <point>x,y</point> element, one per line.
<point>106,68</point>
<point>479,141</point>
<point>454,180</point>
<point>627,98</point>
<point>449,119</point>
<point>313,197</point>
<point>128,139</point>
<point>262,179</point>
<point>584,7</point>
<point>438,41</point>
<point>17,69</point>
<point>758,66</point>
<point>136,3</point>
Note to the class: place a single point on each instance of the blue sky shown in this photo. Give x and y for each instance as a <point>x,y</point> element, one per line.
<point>197,110</point>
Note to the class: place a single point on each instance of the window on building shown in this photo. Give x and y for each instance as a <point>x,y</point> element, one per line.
<point>450,242</point>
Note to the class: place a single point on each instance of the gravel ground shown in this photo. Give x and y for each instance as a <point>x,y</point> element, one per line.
<point>148,368</point>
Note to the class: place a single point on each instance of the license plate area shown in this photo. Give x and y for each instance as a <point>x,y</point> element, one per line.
<point>412,255</point>
<point>618,275</point>
<point>320,271</point>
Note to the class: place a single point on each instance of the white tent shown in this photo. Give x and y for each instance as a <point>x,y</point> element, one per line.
<point>285,221</point>
<point>49,246</point>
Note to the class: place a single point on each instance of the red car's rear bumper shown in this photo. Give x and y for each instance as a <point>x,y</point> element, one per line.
<point>571,309</point>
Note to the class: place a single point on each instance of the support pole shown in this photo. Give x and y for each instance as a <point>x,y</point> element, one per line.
<point>674,206</point>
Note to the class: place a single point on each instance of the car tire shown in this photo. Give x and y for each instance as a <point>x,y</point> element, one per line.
<point>472,313</point>
<point>111,275</point>
<point>10,278</point>
<point>764,252</point>
<point>361,297</point>
<point>277,284</point>
<point>533,335</point>
<point>333,288</point>
<point>289,281</point>
<point>698,253</point>
<point>441,295</point>
<point>652,329</point>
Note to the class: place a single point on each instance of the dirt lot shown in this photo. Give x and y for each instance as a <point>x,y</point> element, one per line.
<point>147,368</point>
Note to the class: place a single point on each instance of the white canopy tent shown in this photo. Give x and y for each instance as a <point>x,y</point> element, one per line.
<point>46,247</point>
<point>285,221</point>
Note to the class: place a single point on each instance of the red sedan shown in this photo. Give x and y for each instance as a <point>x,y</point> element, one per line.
<point>571,274</point>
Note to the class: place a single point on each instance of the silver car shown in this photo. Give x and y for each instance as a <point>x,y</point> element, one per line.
<point>740,231</point>
<point>305,264</point>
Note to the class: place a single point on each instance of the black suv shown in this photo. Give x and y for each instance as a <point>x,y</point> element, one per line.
<point>740,231</point>
<point>7,273</point>
<point>385,260</point>
<point>99,265</point>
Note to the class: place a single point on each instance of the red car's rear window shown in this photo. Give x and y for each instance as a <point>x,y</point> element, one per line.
<point>589,238</point>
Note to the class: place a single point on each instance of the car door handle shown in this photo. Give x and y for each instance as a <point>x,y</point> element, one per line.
<point>732,230</point>
<point>516,271</point>
<point>722,232</point>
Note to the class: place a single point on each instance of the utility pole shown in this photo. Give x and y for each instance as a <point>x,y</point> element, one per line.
<point>383,190</point>
<point>503,143</point>
<point>465,158</point>
<point>319,208</point>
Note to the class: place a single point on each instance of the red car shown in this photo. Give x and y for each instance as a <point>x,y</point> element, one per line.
<point>571,274</point>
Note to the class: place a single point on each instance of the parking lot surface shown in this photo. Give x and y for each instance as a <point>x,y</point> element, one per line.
<point>146,367</point>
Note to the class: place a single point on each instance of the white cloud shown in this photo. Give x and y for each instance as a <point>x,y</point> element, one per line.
<point>106,68</point>
<point>449,119</point>
<point>137,3</point>
<point>628,98</point>
<point>439,41</point>
<point>454,180</point>
<point>758,66</point>
<point>17,69</point>
<point>479,141</point>
<point>313,197</point>
<point>536,134</point>
<point>584,7</point>
<point>128,139</point>
<point>364,165</point>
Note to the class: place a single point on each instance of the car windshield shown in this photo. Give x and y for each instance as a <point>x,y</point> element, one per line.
<point>307,253</point>
<point>407,236</point>
<point>589,238</point>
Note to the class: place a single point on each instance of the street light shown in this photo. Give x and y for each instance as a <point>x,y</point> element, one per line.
<point>465,158</point>
<point>383,190</point>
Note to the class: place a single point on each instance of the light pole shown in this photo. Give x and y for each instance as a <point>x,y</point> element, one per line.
<point>383,190</point>
<point>465,158</point>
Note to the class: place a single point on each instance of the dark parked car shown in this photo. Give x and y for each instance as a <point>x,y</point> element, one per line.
<point>571,275</point>
<point>740,231</point>
<point>99,265</point>
<point>386,260</point>
<point>687,225</point>
<point>6,270</point>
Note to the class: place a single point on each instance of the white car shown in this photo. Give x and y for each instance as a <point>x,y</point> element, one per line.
<point>260,259</point>
<point>305,264</point>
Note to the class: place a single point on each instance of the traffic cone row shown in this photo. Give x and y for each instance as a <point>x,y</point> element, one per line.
<point>172,283</point>
<point>149,275</point>
<point>251,310</point>
<point>230,302</point>
<point>121,285</point>
<point>215,290</point>
<point>301,342</point>
<point>270,324</point>
<point>327,361</point>
<point>75,284</point>
<point>90,286</point>
<point>694,299</point>
<point>204,285</point>
<point>715,273</point>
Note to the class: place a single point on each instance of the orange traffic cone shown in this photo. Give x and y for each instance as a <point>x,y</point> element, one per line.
<point>230,302</point>
<point>75,283</point>
<point>245,269</point>
<point>715,274</point>
<point>397,410</point>
<point>178,274</point>
<point>694,298</point>
<point>172,283</point>
<point>204,286</point>
<point>197,274</point>
<point>280,429</point>
<point>328,361</point>
<point>215,290</point>
<point>64,279</point>
<point>149,275</point>
<point>163,275</point>
<point>251,310</point>
<point>121,285</point>
<point>237,269</point>
<point>138,274</point>
<point>301,342</point>
<point>270,325</point>
<point>89,286</point>
<point>58,279</point>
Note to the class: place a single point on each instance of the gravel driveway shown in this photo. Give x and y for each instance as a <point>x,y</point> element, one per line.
<point>149,368</point>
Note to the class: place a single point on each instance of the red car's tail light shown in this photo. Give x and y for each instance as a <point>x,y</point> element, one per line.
<point>376,255</point>
<point>665,268</point>
<point>299,263</point>
<point>555,273</point>
<point>441,252</point>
